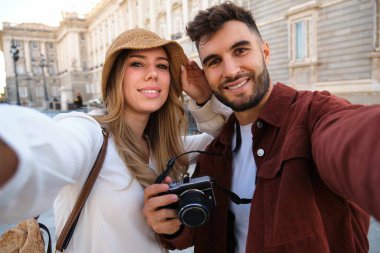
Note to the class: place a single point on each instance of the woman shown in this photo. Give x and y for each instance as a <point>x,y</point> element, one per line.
<point>144,116</point>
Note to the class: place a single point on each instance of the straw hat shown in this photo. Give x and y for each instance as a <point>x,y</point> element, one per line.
<point>143,39</point>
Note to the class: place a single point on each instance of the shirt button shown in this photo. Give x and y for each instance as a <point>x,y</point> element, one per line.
<point>259,124</point>
<point>260,152</point>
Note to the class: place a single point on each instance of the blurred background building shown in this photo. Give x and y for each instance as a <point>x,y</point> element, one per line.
<point>315,45</point>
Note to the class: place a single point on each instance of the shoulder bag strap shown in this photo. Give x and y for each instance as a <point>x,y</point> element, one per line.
<point>68,229</point>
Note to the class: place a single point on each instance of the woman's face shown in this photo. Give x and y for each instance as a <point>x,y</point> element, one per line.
<point>146,80</point>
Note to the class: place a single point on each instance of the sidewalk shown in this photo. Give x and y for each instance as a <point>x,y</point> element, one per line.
<point>48,219</point>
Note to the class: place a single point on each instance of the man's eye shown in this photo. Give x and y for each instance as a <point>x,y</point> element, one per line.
<point>136,64</point>
<point>240,51</point>
<point>163,66</point>
<point>213,62</point>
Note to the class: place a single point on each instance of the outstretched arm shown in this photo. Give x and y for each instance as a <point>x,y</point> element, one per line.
<point>346,149</point>
<point>8,163</point>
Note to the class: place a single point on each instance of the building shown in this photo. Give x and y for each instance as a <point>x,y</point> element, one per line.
<point>315,45</point>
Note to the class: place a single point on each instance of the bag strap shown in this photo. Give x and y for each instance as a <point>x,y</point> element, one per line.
<point>42,226</point>
<point>68,229</point>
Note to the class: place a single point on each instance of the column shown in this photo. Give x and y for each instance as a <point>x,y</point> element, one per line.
<point>168,19</point>
<point>204,4</point>
<point>140,16</point>
<point>185,12</point>
<point>28,63</point>
<point>130,16</point>
<point>152,16</point>
<point>43,51</point>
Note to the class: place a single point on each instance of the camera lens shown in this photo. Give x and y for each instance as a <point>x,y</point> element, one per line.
<point>193,211</point>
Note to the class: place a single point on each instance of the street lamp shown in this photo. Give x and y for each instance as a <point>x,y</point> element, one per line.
<point>14,51</point>
<point>43,65</point>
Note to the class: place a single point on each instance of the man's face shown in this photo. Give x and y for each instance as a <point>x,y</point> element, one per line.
<point>234,61</point>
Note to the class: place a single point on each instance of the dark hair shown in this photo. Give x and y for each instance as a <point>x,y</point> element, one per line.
<point>207,22</point>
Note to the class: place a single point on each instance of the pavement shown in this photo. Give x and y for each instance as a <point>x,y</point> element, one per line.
<point>48,219</point>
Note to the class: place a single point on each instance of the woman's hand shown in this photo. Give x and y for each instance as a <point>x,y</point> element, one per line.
<point>194,83</point>
<point>162,220</point>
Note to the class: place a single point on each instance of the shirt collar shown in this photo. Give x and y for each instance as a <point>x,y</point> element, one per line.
<point>277,106</point>
<point>274,112</point>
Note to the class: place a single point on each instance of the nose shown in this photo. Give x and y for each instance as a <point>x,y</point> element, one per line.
<point>230,68</point>
<point>151,74</point>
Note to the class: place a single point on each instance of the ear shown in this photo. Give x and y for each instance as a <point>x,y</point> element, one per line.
<point>266,52</point>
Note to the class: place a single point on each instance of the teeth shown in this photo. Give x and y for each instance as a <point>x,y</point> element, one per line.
<point>149,91</point>
<point>237,86</point>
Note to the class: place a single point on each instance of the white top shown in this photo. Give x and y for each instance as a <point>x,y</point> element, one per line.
<point>243,184</point>
<point>55,157</point>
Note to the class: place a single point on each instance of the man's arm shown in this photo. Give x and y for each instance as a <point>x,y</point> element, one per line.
<point>346,150</point>
<point>8,163</point>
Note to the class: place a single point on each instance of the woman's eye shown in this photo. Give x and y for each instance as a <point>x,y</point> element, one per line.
<point>136,64</point>
<point>163,66</point>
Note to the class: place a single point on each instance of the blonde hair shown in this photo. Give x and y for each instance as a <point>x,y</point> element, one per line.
<point>164,129</point>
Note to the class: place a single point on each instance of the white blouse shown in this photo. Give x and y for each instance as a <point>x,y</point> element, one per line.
<point>55,158</point>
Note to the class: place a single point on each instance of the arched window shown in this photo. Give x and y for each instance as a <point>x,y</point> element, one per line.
<point>194,6</point>
<point>162,25</point>
<point>177,22</point>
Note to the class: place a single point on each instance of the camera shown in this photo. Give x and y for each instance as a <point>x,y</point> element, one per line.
<point>195,199</point>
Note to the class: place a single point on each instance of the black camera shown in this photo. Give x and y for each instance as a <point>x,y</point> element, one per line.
<point>195,199</point>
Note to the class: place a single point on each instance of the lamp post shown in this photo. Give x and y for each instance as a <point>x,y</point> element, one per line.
<point>14,50</point>
<point>43,65</point>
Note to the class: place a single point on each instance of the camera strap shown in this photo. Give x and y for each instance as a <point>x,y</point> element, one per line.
<point>233,196</point>
<point>169,165</point>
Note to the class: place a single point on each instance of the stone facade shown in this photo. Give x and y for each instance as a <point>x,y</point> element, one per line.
<point>315,45</point>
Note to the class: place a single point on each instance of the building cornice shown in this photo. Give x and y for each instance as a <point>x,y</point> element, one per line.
<point>99,8</point>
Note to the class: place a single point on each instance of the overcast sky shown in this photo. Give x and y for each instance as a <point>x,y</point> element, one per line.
<point>37,11</point>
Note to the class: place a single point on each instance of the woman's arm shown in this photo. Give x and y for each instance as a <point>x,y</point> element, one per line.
<point>51,153</point>
<point>210,118</point>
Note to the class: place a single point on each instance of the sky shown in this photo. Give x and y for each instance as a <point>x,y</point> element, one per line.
<point>37,11</point>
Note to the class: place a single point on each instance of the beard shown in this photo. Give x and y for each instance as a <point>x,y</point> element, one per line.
<point>259,90</point>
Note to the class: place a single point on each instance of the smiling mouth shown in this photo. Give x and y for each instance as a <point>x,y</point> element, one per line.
<point>150,91</point>
<point>237,86</point>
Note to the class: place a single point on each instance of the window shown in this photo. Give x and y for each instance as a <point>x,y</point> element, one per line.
<point>162,26</point>
<point>34,44</point>
<point>303,39</point>
<point>301,43</point>
<point>177,22</point>
<point>39,91</point>
<point>54,91</point>
<point>23,91</point>
<point>91,88</point>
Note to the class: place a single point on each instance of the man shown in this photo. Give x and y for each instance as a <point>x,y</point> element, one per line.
<point>308,159</point>
<point>78,101</point>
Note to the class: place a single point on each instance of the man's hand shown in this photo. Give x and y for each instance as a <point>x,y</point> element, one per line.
<point>8,163</point>
<point>194,83</point>
<point>162,220</point>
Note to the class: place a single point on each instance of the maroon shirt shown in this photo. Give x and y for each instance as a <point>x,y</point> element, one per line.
<point>321,154</point>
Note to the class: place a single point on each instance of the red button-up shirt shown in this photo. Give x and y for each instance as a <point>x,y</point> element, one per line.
<point>316,156</point>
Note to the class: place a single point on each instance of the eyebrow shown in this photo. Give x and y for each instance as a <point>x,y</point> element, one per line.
<point>144,57</point>
<point>235,45</point>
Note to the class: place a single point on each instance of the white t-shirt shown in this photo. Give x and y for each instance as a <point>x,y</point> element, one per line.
<point>243,184</point>
<point>55,157</point>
